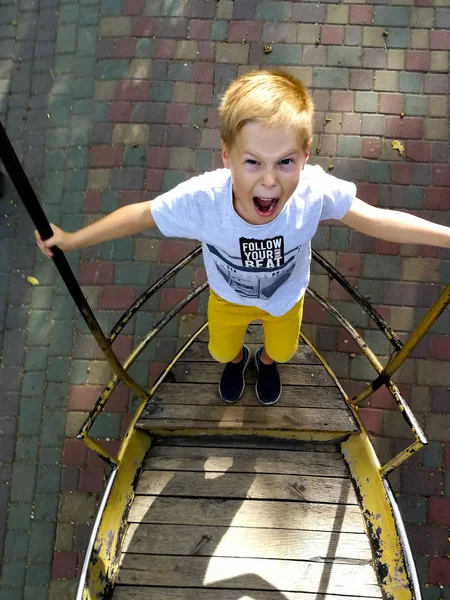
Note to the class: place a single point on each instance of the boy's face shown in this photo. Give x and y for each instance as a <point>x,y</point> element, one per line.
<point>265,167</point>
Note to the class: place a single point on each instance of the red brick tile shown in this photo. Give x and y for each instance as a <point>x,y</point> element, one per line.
<point>199,29</point>
<point>133,90</point>
<point>328,145</point>
<point>361,15</point>
<point>212,115</point>
<point>402,173</point>
<point>154,179</point>
<point>203,72</point>
<point>385,313</point>
<point>199,276</point>
<point>204,94</point>
<point>391,103</point>
<point>91,480</point>
<point>338,293</point>
<point>447,455</point>
<point>116,297</point>
<point>382,399</point>
<point>65,565</point>
<point>158,158</point>
<point>206,51</point>
<point>342,101</point>
<point>250,31</point>
<point>164,48</point>
<point>93,201</point>
<point>142,27</point>
<point>125,48</point>
<point>120,112</point>
<point>332,34</point>
<point>428,251</point>
<point>345,343</point>
<point>132,8</point>
<point>178,113</point>
<point>75,453</point>
<point>440,347</point>
<point>439,569</point>
<point>437,198</point>
<point>111,446</point>
<point>96,272</point>
<point>155,371</point>
<point>314,313</point>
<point>441,175</point>
<point>129,197</point>
<point>83,397</point>
<point>351,124</point>
<point>370,193</point>
<point>171,297</point>
<point>440,39</point>
<point>104,156</point>
<point>217,162</point>
<point>172,252</point>
<point>385,247</point>
<point>439,511</point>
<point>417,60</point>
<point>122,346</point>
<point>372,419</point>
<point>422,481</point>
<point>409,127</point>
<point>418,151</point>
<point>349,264</point>
<point>371,147</point>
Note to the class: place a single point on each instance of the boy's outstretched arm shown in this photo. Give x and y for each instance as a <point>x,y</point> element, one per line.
<point>123,222</point>
<point>395,226</point>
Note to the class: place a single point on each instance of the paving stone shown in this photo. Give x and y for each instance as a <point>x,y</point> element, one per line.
<point>268,10</point>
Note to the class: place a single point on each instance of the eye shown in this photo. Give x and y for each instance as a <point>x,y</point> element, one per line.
<point>251,161</point>
<point>287,161</point>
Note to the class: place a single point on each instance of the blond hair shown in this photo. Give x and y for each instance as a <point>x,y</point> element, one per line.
<point>273,98</point>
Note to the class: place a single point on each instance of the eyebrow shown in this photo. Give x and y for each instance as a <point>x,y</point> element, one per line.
<point>283,156</point>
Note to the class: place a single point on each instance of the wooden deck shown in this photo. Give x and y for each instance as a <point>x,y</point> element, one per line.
<point>189,399</point>
<point>245,520</point>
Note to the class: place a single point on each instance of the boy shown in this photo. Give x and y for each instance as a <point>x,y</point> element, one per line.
<point>256,219</point>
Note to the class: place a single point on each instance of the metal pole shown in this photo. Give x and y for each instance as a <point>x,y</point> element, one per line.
<point>27,195</point>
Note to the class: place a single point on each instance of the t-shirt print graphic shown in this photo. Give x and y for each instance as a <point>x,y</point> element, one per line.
<point>262,268</point>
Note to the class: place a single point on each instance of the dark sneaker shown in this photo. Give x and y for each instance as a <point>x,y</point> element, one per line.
<point>232,383</point>
<point>268,386</point>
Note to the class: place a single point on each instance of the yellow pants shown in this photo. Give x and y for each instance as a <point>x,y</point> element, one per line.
<point>228,325</point>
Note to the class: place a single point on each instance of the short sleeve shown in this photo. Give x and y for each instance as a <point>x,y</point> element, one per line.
<point>337,196</point>
<point>177,213</point>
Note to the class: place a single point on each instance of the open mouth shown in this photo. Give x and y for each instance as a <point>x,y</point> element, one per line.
<point>265,207</point>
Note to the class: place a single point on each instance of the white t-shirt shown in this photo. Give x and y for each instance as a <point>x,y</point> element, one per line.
<point>267,266</point>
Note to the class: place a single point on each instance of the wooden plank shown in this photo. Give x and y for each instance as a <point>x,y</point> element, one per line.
<point>199,352</point>
<point>124,592</point>
<point>311,375</point>
<point>238,485</point>
<point>207,394</point>
<point>251,441</point>
<point>201,459</point>
<point>248,573</point>
<point>244,542</point>
<point>212,511</point>
<point>248,417</point>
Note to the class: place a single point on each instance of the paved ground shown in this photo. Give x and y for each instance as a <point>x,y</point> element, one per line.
<point>105,99</point>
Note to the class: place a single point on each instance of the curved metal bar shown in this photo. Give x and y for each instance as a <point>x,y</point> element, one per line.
<point>372,312</point>
<point>401,403</point>
<point>400,458</point>
<point>124,319</point>
<point>114,381</point>
<point>349,328</point>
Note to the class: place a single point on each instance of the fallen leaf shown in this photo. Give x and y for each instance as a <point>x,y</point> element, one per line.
<point>398,146</point>
<point>33,280</point>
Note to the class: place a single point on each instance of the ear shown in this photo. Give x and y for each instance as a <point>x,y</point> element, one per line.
<point>306,153</point>
<point>225,160</point>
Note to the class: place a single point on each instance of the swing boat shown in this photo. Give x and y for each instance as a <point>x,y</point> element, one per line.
<point>210,501</point>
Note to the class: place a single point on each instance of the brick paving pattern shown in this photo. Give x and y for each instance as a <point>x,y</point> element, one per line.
<point>109,102</point>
